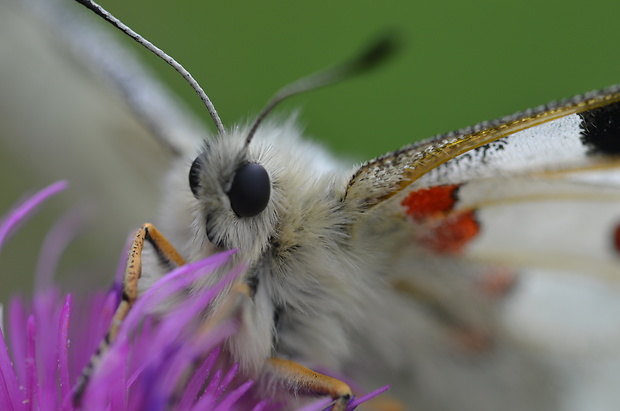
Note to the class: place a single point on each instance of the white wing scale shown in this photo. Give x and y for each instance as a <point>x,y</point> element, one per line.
<point>546,201</point>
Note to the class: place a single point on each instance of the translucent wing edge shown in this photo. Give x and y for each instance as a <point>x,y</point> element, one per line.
<point>387,175</point>
<point>154,106</point>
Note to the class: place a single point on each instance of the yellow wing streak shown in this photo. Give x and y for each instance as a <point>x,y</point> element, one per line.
<point>386,176</point>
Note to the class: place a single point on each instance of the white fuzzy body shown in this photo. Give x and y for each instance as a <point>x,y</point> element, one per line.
<point>327,268</point>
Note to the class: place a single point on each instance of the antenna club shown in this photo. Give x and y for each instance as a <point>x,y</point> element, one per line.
<point>382,49</point>
<point>372,56</point>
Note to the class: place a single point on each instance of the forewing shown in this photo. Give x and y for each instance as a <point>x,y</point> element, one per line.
<point>515,223</point>
<point>560,135</point>
<point>538,188</point>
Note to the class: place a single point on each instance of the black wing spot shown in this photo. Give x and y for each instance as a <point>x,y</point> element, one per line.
<point>601,129</point>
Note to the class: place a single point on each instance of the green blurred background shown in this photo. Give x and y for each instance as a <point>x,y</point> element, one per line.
<point>461,63</point>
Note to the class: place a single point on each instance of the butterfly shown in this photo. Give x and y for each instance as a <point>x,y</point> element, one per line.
<point>458,269</point>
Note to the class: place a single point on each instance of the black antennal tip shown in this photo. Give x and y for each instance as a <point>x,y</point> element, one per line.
<point>379,51</point>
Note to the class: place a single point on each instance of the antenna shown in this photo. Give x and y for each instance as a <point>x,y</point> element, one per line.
<point>100,11</point>
<point>372,56</point>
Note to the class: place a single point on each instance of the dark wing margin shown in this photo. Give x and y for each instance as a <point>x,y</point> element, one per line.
<point>386,176</point>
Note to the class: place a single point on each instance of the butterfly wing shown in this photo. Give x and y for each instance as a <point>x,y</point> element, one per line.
<point>541,184</point>
<point>505,145</point>
<point>78,105</point>
<point>466,190</point>
<point>511,244</point>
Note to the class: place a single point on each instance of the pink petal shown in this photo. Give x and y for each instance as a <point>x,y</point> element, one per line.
<point>17,334</point>
<point>21,212</point>
<point>227,379</point>
<point>197,381</point>
<point>32,386</point>
<point>12,397</point>
<point>367,397</point>
<point>63,349</point>
<point>234,396</point>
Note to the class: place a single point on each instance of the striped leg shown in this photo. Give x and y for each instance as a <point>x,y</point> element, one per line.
<point>167,255</point>
<point>308,382</point>
<point>294,376</point>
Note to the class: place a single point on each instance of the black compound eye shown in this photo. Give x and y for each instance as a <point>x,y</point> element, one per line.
<point>194,176</point>
<point>250,190</point>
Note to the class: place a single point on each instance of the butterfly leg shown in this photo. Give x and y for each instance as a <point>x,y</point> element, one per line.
<point>167,255</point>
<point>294,376</point>
<point>300,378</point>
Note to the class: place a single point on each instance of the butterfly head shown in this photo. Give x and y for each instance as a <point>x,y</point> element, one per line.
<point>245,193</point>
<point>240,180</point>
<point>233,189</point>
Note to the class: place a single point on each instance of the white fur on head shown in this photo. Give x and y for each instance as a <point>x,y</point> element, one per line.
<point>290,247</point>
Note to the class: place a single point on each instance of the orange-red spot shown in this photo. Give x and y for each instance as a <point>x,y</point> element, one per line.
<point>440,228</point>
<point>451,235</point>
<point>498,282</point>
<point>430,202</point>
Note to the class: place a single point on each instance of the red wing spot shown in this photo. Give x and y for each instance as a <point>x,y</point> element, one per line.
<point>617,238</point>
<point>498,282</point>
<point>430,202</point>
<point>451,235</point>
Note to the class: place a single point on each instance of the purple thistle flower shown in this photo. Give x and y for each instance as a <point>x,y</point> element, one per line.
<point>155,363</point>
